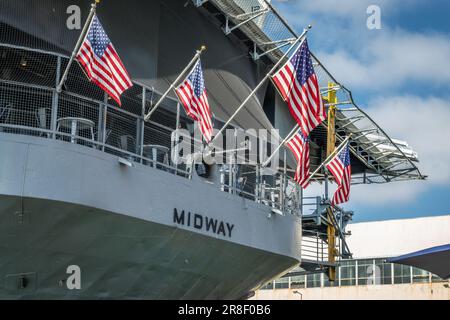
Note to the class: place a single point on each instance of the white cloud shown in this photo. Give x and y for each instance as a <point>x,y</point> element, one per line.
<point>353,9</point>
<point>423,122</point>
<point>388,195</point>
<point>383,62</point>
<point>370,59</point>
<point>393,59</point>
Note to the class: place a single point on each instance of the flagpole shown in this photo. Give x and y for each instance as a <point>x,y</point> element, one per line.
<point>301,37</point>
<point>331,156</point>
<point>172,86</point>
<point>77,46</point>
<point>281,145</point>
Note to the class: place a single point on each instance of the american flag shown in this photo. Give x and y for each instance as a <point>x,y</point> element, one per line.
<point>341,170</point>
<point>299,145</point>
<point>299,87</point>
<point>102,63</point>
<point>192,94</point>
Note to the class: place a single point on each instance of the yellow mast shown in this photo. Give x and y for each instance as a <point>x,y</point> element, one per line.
<point>331,145</point>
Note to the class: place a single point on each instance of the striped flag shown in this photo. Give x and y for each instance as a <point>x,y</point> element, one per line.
<point>299,87</point>
<point>341,170</point>
<point>102,63</point>
<point>192,94</point>
<point>299,145</point>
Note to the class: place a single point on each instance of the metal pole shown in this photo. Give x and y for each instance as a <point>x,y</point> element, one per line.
<point>172,86</point>
<point>142,133</point>
<point>105,115</point>
<point>302,36</point>
<point>177,127</point>
<point>301,200</point>
<point>329,158</point>
<point>55,100</point>
<point>288,137</point>
<point>284,182</point>
<point>257,183</point>
<point>78,45</point>
<point>230,175</point>
<point>100,129</point>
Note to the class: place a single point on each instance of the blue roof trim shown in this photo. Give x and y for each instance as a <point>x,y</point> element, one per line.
<point>437,249</point>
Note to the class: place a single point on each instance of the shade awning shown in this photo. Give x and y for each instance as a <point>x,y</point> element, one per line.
<point>435,260</point>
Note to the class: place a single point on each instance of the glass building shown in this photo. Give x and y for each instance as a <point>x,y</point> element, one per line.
<point>358,272</point>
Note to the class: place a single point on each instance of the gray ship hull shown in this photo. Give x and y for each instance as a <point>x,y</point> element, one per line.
<point>63,204</point>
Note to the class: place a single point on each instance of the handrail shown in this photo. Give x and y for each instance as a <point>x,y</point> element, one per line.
<point>17,91</point>
<point>93,142</point>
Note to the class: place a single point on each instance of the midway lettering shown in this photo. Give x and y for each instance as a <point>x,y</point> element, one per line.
<point>200,222</point>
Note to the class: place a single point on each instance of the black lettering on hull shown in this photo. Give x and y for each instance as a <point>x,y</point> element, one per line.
<point>200,222</point>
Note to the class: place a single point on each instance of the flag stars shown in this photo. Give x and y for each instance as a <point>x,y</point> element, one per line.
<point>105,70</point>
<point>98,38</point>
<point>302,63</point>
<point>197,80</point>
<point>344,156</point>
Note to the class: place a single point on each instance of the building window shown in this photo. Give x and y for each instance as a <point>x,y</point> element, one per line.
<point>298,282</point>
<point>282,283</point>
<point>268,286</point>
<point>313,280</point>
<point>383,272</point>
<point>435,278</point>
<point>365,272</point>
<point>328,283</point>
<point>420,276</point>
<point>402,274</point>
<point>348,273</point>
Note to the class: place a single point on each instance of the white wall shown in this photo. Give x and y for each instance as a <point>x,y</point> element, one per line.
<point>397,237</point>
<point>416,291</point>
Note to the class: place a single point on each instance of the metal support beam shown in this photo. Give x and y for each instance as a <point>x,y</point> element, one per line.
<point>384,156</point>
<point>199,3</point>
<point>256,56</point>
<point>352,121</point>
<point>338,103</point>
<point>364,133</point>
<point>395,165</point>
<point>326,90</point>
<point>253,15</point>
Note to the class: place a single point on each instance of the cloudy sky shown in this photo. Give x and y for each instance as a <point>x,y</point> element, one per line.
<point>400,74</point>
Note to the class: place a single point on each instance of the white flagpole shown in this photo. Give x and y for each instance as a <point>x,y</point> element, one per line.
<point>305,31</point>
<point>172,86</point>
<point>329,158</point>
<point>289,136</point>
<point>77,46</point>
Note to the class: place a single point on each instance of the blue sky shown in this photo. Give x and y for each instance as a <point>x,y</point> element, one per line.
<point>400,75</point>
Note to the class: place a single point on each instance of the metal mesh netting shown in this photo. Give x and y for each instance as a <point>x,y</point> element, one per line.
<point>259,22</point>
<point>25,24</point>
<point>82,113</point>
<point>28,67</point>
<point>17,111</point>
<point>383,159</point>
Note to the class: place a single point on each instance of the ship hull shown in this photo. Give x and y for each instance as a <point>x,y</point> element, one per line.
<point>65,205</point>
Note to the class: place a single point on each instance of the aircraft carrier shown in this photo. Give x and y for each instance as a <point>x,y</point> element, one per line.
<point>108,199</point>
